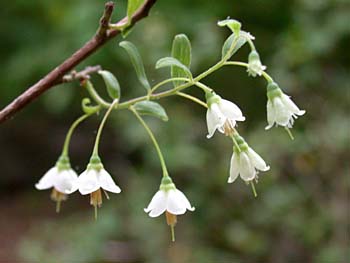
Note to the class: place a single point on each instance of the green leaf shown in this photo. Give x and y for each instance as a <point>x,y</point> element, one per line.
<point>232,24</point>
<point>151,108</point>
<point>112,84</point>
<point>173,62</point>
<point>181,50</point>
<point>136,60</point>
<point>242,39</point>
<point>133,6</point>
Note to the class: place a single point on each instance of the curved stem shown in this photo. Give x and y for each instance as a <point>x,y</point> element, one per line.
<point>190,97</point>
<point>70,132</point>
<point>167,81</point>
<point>243,64</point>
<point>204,87</point>
<point>159,152</point>
<point>100,128</point>
<point>93,93</point>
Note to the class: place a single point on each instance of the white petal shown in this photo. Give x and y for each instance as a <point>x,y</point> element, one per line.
<point>291,105</point>
<point>271,116</point>
<point>47,181</point>
<point>157,205</point>
<point>88,182</point>
<point>257,161</point>
<point>215,119</point>
<point>282,113</point>
<point>66,181</point>
<point>246,169</point>
<point>177,202</point>
<point>107,183</point>
<point>234,168</point>
<point>231,110</point>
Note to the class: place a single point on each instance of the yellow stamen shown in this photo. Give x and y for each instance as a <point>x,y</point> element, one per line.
<point>96,200</point>
<point>58,197</point>
<point>171,220</point>
<point>228,129</point>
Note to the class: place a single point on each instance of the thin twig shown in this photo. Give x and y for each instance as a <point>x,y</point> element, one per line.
<point>81,75</point>
<point>53,78</point>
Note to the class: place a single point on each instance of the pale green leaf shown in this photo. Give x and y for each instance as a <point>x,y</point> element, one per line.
<point>151,108</point>
<point>181,50</point>
<point>112,84</point>
<point>242,39</point>
<point>172,62</point>
<point>136,60</point>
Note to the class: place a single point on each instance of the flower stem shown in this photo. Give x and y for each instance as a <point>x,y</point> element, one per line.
<point>190,97</point>
<point>156,145</point>
<point>253,188</point>
<point>268,78</point>
<point>100,128</point>
<point>172,233</point>
<point>70,132</point>
<point>167,81</point>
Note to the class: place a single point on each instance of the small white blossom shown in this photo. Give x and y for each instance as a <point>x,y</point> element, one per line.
<point>246,163</point>
<point>221,115</point>
<point>168,199</point>
<point>280,108</point>
<point>254,64</point>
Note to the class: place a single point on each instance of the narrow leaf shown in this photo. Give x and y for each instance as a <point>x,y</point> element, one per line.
<point>173,62</point>
<point>133,6</point>
<point>242,39</point>
<point>181,50</point>
<point>136,60</point>
<point>151,108</point>
<point>112,84</point>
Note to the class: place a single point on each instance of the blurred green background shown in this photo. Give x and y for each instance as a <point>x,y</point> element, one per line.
<point>302,210</point>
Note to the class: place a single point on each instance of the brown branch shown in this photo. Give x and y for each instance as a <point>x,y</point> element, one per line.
<point>55,77</point>
<point>81,75</point>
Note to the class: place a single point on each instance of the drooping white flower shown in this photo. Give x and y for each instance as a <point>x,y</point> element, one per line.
<point>93,179</point>
<point>245,162</point>
<point>281,110</point>
<point>169,200</point>
<point>221,115</point>
<point>62,178</point>
<point>255,67</point>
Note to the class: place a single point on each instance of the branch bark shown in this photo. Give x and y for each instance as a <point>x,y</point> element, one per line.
<point>55,77</point>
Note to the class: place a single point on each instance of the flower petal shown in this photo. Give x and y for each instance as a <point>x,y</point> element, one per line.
<point>47,181</point>
<point>178,202</point>
<point>215,119</point>
<point>107,183</point>
<point>157,205</point>
<point>291,105</point>
<point>234,168</point>
<point>246,168</point>
<point>231,110</point>
<point>271,116</point>
<point>282,113</point>
<point>66,181</point>
<point>257,161</point>
<point>88,182</point>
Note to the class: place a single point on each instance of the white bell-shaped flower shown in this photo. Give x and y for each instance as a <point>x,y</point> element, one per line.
<point>61,178</point>
<point>281,110</point>
<point>245,162</point>
<point>168,199</point>
<point>254,64</point>
<point>221,115</point>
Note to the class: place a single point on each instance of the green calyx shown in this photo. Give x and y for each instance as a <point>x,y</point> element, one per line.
<point>243,146</point>
<point>253,56</point>
<point>212,98</point>
<point>167,184</point>
<point>95,163</point>
<point>273,90</point>
<point>63,163</point>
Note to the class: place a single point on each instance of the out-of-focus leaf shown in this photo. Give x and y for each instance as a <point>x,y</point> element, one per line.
<point>181,50</point>
<point>136,60</point>
<point>133,6</point>
<point>151,108</point>
<point>242,39</point>
<point>112,84</point>
<point>172,62</point>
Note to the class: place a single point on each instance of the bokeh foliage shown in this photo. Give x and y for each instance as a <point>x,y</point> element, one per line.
<point>302,211</point>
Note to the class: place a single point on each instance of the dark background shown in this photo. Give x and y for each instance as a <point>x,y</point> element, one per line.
<point>302,210</point>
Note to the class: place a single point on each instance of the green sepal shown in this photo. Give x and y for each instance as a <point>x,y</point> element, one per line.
<point>167,184</point>
<point>243,146</point>
<point>253,56</point>
<point>112,84</point>
<point>173,62</point>
<point>137,62</point>
<point>273,90</point>
<point>151,108</point>
<point>211,97</point>
<point>95,163</point>
<point>63,163</point>
<point>181,50</point>
<point>232,24</point>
